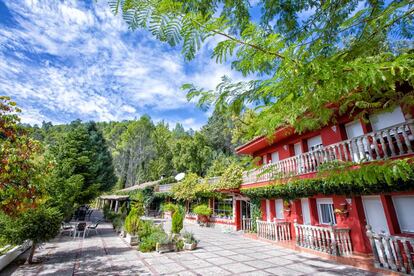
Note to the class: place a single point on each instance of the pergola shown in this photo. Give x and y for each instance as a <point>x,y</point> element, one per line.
<point>113,200</point>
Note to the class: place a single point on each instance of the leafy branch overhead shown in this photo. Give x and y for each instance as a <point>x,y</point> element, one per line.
<point>300,57</point>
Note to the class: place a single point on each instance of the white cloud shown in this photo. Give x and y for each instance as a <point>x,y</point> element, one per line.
<point>74,61</point>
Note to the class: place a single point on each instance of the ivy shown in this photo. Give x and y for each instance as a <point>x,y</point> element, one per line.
<point>377,177</point>
<point>232,178</point>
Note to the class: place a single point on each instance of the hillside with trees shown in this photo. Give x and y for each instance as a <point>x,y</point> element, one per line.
<point>134,151</point>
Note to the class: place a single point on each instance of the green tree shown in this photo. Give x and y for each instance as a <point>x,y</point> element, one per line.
<point>309,61</point>
<point>134,152</point>
<point>192,154</point>
<point>218,132</point>
<point>25,213</point>
<point>83,166</point>
<point>161,164</point>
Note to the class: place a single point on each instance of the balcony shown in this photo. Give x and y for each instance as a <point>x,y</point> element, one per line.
<point>392,142</point>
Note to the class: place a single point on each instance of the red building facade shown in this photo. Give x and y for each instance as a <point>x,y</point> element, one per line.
<point>384,136</point>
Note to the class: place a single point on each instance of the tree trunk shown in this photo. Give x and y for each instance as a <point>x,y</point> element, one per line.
<point>32,251</point>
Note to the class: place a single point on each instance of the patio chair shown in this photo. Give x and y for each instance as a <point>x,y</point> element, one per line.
<point>80,229</point>
<point>89,213</point>
<point>66,228</point>
<point>92,227</point>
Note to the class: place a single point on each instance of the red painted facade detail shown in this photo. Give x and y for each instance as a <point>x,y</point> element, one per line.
<point>354,215</point>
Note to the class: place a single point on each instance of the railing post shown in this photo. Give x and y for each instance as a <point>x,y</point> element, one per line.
<point>295,226</point>
<point>371,238</point>
<point>334,245</point>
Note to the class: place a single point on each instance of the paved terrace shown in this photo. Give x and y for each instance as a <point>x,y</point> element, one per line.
<point>218,254</point>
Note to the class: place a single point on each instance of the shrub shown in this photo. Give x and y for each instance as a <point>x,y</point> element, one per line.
<point>38,225</point>
<point>132,221</point>
<point>189,237</point>
<point>149,243</point>
<point>202,210</point>
<point>177,215</point>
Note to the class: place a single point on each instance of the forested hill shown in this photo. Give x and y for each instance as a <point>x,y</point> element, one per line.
<point>142,150</point>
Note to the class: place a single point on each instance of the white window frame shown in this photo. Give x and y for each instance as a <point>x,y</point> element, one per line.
<point>268,210</point>
<point>324,201</point>
<point>279,209</point>
<point>410,231</point>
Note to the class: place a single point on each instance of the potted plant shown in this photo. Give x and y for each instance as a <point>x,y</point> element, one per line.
<point>190,243</point>
<point>203,213</point>
<point>131,226</point>
<point>165,244</point>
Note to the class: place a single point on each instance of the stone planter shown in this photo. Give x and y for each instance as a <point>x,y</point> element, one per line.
<point>13,253</point>
<point>165,247</point>
<point>190,246</point>
<point>131,240</point>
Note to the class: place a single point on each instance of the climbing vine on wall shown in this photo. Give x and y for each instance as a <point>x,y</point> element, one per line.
<point>231,178</point>
<point>376,177</point>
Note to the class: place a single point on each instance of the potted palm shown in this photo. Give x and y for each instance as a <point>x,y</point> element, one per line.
<point>190,243</point>
<point>203,213</point>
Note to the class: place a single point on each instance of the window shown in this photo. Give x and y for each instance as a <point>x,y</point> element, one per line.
<point>404,206</point>
<point>314,143</point>
<point>354,129</point>
<point>279,209</point>
<point>326,211</point>
<point>265,159</point>
<point>275,157</point>
<point>387,119</point>
<point>223,207</point>
<point>298,148</point>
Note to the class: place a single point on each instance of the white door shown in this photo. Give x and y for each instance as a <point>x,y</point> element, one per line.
<point>298,148</point>
<point>374,213</point>
<point>275,157</point>
<point>279,209</point>
<point>305,211</point>
<point>267,210</point>
<point>404,206</point>
<point>354,129</point>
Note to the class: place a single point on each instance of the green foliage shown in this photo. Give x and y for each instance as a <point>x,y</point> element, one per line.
<point>177,215</point>
<point>83,166</point>
<point>232,178</point>
<point>255,212</point>
<point>38,225</point>
<point>149,243</point>
<point>186,189</point>
<point>202,209</point>
<point>132,221</point>
<point>24,171</point>
<point>373,178</point>
<point>192,154</point>
<point>348,53</point>
<point>189,237</point>
<point>149,235</point>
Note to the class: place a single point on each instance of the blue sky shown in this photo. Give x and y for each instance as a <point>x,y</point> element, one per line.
<point>61,61</point>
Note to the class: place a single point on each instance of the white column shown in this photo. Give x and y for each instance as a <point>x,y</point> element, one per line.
<point>116,206</point>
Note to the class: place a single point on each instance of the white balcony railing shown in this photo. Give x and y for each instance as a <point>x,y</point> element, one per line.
<point>392,252</point>
<point>273,230</point>
<point>383,144</point>
<point>331,240</point>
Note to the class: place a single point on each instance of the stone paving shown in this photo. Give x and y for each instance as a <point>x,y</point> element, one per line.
<point>218,254</point>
